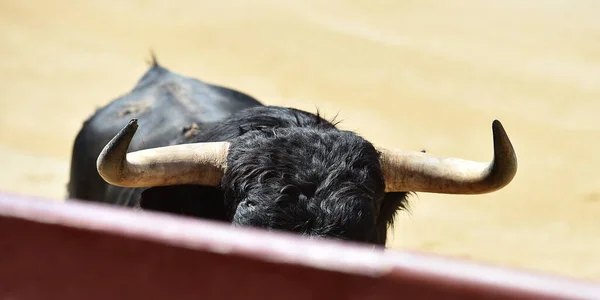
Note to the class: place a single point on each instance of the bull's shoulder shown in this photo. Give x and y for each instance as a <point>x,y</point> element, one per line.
<point>166,95</point>
<point>207,101</point>
<point>165,103</point>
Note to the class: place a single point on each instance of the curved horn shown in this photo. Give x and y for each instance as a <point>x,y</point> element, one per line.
<point>420,172</point>
<point>201,163</point>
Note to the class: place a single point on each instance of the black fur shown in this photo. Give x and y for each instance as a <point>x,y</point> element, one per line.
<point>287,170</point>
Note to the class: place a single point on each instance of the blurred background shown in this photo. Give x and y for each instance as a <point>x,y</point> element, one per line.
<point>407,74</point>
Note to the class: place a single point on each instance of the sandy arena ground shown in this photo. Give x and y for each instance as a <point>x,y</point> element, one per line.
<point>407,74</point>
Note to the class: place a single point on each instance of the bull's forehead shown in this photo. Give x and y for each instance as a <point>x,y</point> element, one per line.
<point>328,164</point>
<point>314,154</point>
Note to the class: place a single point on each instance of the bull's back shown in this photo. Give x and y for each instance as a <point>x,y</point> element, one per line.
<point>166,104</point>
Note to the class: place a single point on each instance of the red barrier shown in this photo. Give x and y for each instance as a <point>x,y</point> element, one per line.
<point>80,251</point>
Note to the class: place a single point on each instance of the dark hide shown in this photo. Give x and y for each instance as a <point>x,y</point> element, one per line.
<point>287,169</point>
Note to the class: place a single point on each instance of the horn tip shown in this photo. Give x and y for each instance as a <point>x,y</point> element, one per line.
<point>503,150</point>
<point>130,128</point>
<point>133,122</point>
<point>498,130</point>
<point>113,154</point>
<point>496,124</point>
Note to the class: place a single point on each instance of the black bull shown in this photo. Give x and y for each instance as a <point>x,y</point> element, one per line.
<point>271,167</point>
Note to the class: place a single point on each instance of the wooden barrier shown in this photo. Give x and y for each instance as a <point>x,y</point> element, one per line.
<point>83,251</point>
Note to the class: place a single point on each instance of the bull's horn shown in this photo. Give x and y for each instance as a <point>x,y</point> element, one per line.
<point>420,172</point>
<point>201,163</point>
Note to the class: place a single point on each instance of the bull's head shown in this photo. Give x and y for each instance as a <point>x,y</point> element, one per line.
<point>322,182</point>
<point>205,164</point>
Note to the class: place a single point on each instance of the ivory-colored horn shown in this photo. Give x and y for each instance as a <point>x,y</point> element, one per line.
<point>421,172</point>
<point>200,163</point>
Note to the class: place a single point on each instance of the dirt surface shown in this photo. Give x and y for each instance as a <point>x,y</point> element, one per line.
<point>406,74</point>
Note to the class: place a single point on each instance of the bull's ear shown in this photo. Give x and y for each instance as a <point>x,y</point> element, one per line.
<point>189,200</point>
